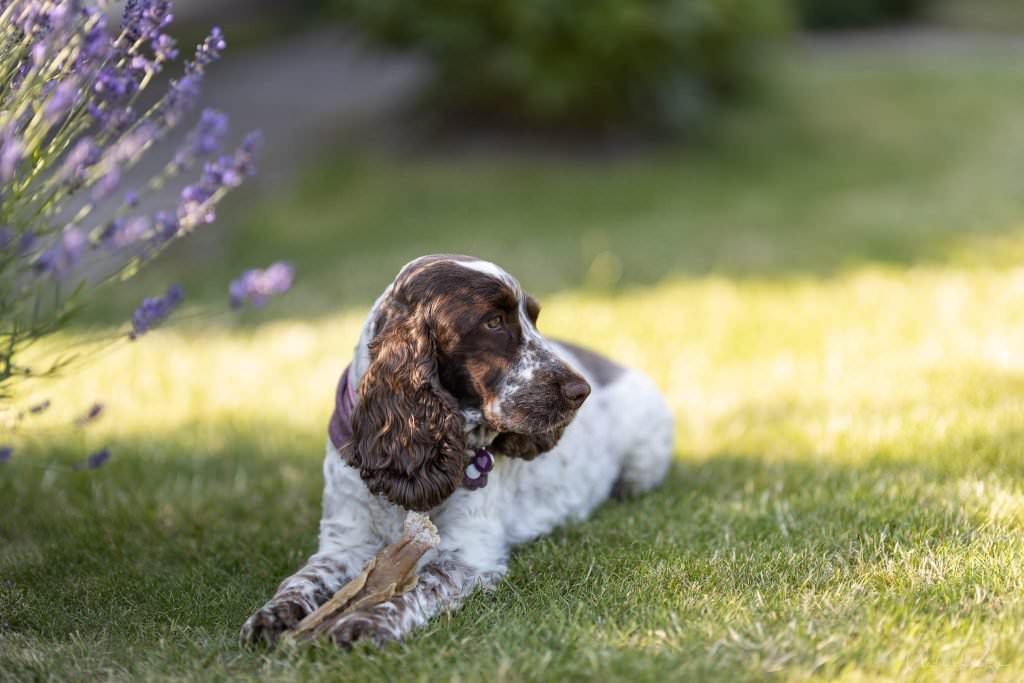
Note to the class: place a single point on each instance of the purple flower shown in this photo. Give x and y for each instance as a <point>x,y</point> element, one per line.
<point>193,209</point>
<point>154,310</point>
<point>112,85</point>
<point>32,18</point>
<point>27,243</point>
<point>107,183</point>
<point>224,173</point>
<point>181,98</point>
<point>64,254</point>
<point>67,71</point>
<point>11,151</point>
<point>209,50</point>
<point>91,415</point>
<point>164,48</point>
<point>245,155</point>
<point>124,231</point>
<point>39,53</point>
<point>192,213</point>
<point>95,41</point>
<point>40,18</point>
<point>128,147</point>
<point>40,407</point>
<point>205,138</point>
<point>166,226</point>
<point>74,242</point>
<point>62,99</point>
<point>143,65</point>
<point>59,15</point>
<point>257,286</point>
<point>6,452</point>
<point>94,461</point>
<point>117,119</point>
<point>210,131</point>
<point>131,144</point>
<point>143,19</point>
<point>82,156</point>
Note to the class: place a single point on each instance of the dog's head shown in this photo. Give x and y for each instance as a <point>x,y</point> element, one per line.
<point>455,337</point>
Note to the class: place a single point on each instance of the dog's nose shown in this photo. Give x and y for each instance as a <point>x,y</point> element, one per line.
<point>576,392</point>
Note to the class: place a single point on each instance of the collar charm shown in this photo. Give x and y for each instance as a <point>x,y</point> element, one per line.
<point>477,469</point>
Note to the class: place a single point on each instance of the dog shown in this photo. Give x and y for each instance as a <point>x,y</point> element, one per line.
<point>450,368</point>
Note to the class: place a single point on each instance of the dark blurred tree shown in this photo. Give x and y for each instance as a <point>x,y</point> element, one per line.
<point>580,64</point>
<point>854,13</point>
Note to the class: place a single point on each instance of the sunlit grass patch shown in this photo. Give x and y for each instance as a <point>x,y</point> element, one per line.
<point>848,484</point>
<point>849,362</point>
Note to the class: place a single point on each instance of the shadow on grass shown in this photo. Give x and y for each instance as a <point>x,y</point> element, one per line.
<point>148,566</point>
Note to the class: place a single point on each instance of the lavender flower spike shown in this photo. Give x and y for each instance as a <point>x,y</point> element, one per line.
<point>77,115</point>
<point>145,18</point>
<point>64,95</point>
<point>6,452</point>
<point>205,138</point>
<point>94,461</point>
<point>164,48</point>
<point>64,254</point>
<point>91,416</point>
<point>11,151</point>
<point>40,407</point>
<point>257,286</point>
<point>209,50</point>
<point>154,310</point>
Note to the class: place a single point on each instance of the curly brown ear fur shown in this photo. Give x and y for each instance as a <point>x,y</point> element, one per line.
<point>525,446</point>
<point>408,440</point>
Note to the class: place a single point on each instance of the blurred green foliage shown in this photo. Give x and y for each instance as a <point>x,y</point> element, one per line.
<point>588,64</point>
<point>852,13</point>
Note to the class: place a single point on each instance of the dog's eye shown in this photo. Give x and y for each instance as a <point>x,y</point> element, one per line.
<point>494,323</point>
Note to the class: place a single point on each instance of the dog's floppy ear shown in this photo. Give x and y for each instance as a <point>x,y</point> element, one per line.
<point>532,309</point>
<point>408,439</point>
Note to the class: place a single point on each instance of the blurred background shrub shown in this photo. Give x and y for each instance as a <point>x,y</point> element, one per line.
<point>585,64</point>
<point>1006,16</point>
<point>854,13</point>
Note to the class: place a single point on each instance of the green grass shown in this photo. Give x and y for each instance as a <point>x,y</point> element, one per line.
<point>828,294</point>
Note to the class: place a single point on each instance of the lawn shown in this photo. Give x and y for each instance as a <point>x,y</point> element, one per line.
<point>827,290</point>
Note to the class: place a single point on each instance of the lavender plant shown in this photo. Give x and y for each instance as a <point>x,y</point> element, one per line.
<point>75,117</point>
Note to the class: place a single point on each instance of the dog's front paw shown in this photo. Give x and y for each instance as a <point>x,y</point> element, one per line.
<point>271,620</point>
<point>362,627</point>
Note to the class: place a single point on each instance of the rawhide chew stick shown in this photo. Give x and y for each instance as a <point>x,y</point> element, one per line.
<point>389,573</point>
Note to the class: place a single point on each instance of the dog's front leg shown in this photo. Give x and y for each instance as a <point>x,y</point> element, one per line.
<point>304,591</point>
<point>347,542</point>
<point>443,585</point>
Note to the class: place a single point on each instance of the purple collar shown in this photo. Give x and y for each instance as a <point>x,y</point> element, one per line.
<point>339,429</point>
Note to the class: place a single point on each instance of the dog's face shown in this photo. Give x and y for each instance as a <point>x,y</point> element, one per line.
<point>492,359</point>
<point>455,336</point>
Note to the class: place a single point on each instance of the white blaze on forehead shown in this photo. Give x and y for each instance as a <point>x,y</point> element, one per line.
<point>497,272</point>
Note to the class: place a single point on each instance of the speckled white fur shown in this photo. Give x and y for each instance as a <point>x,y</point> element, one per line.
<point>621,437</point>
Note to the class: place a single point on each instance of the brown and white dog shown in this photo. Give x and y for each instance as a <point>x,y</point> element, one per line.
<point>450,361</point>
